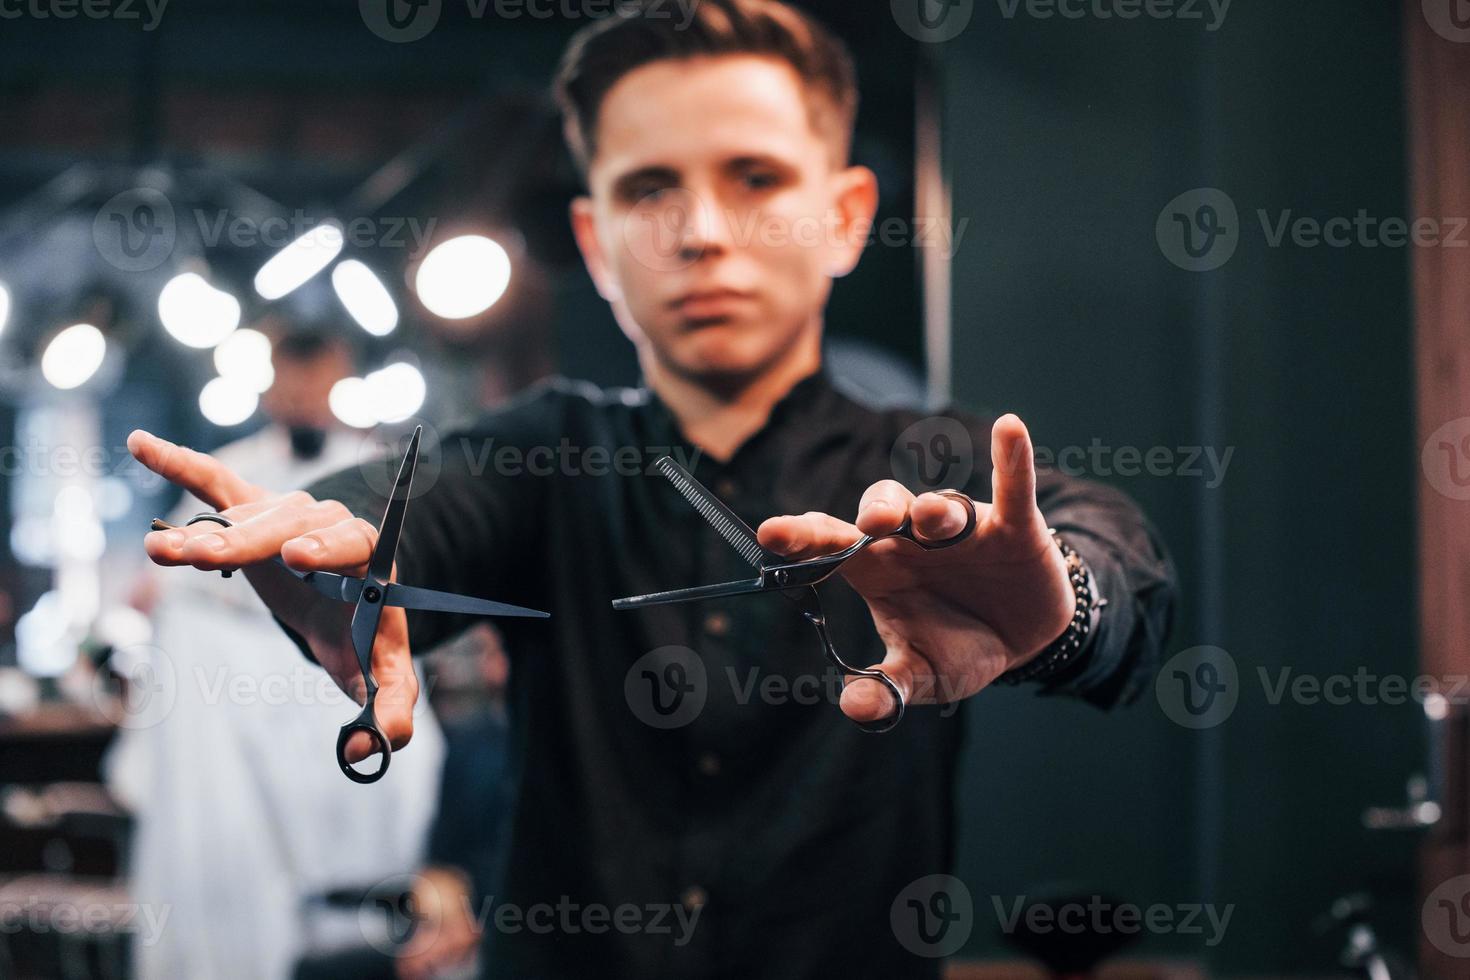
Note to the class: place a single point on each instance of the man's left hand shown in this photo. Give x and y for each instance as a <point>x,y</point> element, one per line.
<point>954,619</point>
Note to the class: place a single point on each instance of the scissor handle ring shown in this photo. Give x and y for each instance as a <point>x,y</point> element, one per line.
<point>888,722</point>
<point>907,528</point>
<point>366,721</point>
<point>220,519</point>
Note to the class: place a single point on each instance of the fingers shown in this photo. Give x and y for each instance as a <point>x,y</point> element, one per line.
<point>884,506</point>
<point>398,687</point>
<point>1013,480</point>
<point>342,547</point>
<point>254,537</point>
<point>886,503</point>
<point>166,547</point>
<point>202,475</point>
<point>806,535</point>
<point>866,699</point>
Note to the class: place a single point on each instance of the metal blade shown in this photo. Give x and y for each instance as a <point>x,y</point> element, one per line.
<point>712,509</point>
<point>364,631</point>
<point>412,597</point>
<point>380,567</point>
<point>341,587</point>
<point>690,594</point>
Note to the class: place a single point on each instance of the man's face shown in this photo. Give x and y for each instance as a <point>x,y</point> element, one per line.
<point>717,217</point>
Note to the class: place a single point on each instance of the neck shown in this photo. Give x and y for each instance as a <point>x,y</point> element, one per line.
<point>718,417</point>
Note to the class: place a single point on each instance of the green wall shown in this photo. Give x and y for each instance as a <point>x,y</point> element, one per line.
<point>1065,139</point>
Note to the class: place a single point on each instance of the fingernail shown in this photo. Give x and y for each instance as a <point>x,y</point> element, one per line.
<point>309,546</point>
<point>174,539</point>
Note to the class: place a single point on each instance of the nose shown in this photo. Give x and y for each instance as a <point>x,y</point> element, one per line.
<point>706,229</point>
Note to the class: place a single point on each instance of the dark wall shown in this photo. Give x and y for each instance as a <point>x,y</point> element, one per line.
<point>1065,140</point>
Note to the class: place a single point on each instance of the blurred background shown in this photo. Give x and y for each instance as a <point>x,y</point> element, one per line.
<point>1213,253</point>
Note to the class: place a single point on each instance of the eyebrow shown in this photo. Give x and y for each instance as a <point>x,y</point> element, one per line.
<point>627,184</point>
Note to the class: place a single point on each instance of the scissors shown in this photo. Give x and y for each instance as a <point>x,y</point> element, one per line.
<point>371,593</point>
<point>796,580</point>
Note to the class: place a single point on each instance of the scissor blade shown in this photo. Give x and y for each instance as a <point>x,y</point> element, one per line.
<point>381,564</point>
<point>687,595</point>
<point>412,597</point>
<point>713,509</point>
<point>342,587</point>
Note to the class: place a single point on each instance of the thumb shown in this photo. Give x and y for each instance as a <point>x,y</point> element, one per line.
<point>1013,477</point>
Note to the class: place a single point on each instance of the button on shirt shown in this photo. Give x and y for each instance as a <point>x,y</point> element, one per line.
<point>691,801</point>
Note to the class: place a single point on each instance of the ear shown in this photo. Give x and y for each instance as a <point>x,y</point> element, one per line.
<point>855,195</point>
<point>584,229</point>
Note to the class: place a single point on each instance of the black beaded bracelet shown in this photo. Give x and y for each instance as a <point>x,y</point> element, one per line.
<point>1064,650</point>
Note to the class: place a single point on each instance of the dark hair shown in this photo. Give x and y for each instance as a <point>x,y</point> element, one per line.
<point>602,53</point>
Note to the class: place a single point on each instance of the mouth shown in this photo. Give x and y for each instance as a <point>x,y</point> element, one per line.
<point>710,304</point>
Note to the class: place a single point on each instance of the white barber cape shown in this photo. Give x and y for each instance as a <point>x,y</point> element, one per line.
<point>243,815</point>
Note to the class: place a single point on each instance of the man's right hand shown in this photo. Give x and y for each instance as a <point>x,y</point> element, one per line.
<point>308,535</point>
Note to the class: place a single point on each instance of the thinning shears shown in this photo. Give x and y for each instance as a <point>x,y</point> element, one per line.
<point>371,593</point>
<point>796,580</point>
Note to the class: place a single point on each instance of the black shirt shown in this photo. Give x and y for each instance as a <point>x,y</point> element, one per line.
<point>749,832</point>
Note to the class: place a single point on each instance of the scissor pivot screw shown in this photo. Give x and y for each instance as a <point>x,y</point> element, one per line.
<point>781,577</point>
<point>371,593</point>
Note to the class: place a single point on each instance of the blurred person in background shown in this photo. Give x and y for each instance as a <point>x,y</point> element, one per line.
<point>219,782</point>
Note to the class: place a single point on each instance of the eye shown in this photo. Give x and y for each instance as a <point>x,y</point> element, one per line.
<point>761,180</point>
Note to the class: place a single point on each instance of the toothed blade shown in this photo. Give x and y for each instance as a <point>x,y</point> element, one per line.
<point>724,520</point>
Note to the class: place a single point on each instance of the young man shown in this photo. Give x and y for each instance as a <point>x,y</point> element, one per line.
<point>760,835</point>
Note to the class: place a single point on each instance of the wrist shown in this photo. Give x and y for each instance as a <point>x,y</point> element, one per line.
<point>1067,647</point>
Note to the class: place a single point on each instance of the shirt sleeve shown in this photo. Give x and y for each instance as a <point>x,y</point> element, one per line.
<point>472,514</point>
<point>1130,564</point>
